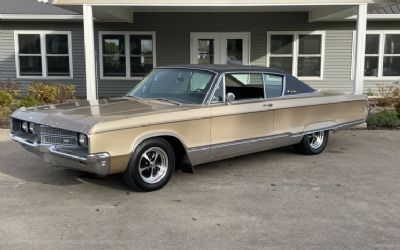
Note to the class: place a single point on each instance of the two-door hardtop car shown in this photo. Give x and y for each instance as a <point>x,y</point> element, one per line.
<point>189,114</point>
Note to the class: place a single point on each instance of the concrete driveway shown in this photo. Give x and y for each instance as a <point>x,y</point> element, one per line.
<point>348,197</point>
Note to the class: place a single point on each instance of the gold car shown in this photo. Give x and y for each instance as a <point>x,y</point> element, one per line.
<point>185,115</point>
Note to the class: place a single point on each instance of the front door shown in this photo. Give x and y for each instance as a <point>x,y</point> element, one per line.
<point>245,124</point>
<point>220,48</point>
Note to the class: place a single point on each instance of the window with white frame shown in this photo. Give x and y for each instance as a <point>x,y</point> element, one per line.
<point>43,54</point>
<point>298,53</point>
<point>126,54</point>
<point>382,54</point>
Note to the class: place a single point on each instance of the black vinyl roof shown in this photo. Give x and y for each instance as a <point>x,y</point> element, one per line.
<point>293,85</point>
<point>221,68</point>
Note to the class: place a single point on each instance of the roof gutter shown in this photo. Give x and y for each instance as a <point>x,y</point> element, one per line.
<point>40,17</point>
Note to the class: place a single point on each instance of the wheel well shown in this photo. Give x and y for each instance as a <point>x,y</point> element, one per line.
<point>179,149</point>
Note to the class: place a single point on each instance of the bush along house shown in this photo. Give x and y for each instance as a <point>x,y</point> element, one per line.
<point>105,47</point>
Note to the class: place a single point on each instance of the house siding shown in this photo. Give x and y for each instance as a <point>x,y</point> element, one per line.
<point>173,43</point>
<point>7,57</point>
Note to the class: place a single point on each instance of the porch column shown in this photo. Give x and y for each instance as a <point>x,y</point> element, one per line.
<point>358,87</point>
<point>90,58</point>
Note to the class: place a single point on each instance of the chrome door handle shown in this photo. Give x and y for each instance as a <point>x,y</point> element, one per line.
<point>269,105</point>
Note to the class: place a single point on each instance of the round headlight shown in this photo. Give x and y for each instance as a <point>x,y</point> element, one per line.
<point>82,140</point>
<point>24,126</point>
<point>31,128</point>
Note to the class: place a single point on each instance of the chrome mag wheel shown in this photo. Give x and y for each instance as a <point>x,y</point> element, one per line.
<point>316,139</point>
<point>153,165</point>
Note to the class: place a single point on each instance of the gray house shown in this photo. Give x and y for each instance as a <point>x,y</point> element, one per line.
<point>106,46</point>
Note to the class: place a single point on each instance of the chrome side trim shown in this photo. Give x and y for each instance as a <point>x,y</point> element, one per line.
<point>198,155</point>
<point>204,154</point>
<point>349,125</point>
<point>224,150</point>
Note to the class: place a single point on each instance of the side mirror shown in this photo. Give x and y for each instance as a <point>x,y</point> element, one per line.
<point>230,97</point>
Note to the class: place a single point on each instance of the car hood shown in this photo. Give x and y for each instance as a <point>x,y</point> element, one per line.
<point>82,115</point>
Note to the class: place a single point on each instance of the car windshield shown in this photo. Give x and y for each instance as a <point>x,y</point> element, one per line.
<point>187,86</point>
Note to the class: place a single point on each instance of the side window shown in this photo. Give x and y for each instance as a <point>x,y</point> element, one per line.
<point>245,86</point>
<point>273,85</point>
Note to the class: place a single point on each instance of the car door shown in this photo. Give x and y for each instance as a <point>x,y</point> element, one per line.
<point>242,125</point>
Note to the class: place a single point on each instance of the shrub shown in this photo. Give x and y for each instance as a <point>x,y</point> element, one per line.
<point>6,99</point>
<point>29,101</point>
<point>387,95</point>
<point>6,104</point>
<point>5,112</point>
<point>51,92</point>
<point>10,87</point>
<point>370,93</point>
<point>397,107</point>
<point>9,91</point>
<point>384,119</point>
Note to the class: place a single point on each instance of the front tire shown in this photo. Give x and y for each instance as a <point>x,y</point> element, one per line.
<point>314,143</point>
<point>151,166</point>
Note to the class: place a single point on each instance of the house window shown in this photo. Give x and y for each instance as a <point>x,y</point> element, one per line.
<point>114,58</point>
<point>371,55</point>
<point>126,55</point>
<point>298,53</point>
<point>42,54</point>
<point>391,55</point>
<point>382,54</point>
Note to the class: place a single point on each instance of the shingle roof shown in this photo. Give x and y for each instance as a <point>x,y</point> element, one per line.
<point>389,9</point>
<point>31,7</point>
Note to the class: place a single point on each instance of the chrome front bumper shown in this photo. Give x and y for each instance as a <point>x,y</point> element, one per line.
<point>67,157</point>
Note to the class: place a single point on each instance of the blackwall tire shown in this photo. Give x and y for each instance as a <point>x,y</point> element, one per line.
<point>313,144</point>
<point>151,166</point>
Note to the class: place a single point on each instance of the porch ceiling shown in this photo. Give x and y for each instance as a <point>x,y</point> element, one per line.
<point>319,10</point>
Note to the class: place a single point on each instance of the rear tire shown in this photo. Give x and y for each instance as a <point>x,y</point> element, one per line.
<point>313,144</point>
<point>151,166</point>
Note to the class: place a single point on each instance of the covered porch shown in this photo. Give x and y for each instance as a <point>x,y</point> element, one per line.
<point>125,39</point>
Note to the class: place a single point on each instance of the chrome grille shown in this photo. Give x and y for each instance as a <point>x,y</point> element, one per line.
<point>56,131</point>
<point>50,135</point>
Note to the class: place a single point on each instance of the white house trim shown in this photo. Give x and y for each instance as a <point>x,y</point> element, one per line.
<point>126,34</point>
<point>295,54</point>
<point>43,54</point>
<point>90,58</point>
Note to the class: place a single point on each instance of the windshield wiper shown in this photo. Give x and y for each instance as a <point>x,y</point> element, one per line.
<point>167,100</point>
